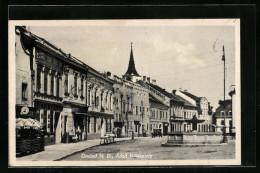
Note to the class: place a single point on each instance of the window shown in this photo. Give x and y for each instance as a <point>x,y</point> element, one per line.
<point>163,115</point>
<point>44,120</point>
<point>229,113</point>
<point>39,69</point>
<point>95,97</point>
<point>222,113</point>
<point>82,87</point>
<point>66,83</point>
<point>185,115</point>
<point>58,87</point>
<point>52,84</point>
<point>75,84</point>
<point>45,81</point>
<point>51,121</point>
<point>160,114</point>
<point>124,107</point>
<point>222,122</point>
<point>136,110</point>
<point>88,96</point>
<point>166,115</point>
<point>95,125</point>
<point>88,124</point>
<point>24,91</point>
<point>110,102</point>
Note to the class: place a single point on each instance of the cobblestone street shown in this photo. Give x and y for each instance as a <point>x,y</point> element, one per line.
<point>151,149</point>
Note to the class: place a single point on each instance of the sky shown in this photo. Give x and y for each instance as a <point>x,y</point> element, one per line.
<point>181,56</point>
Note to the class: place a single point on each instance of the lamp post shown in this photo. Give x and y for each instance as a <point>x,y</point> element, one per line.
<point>224,105</point>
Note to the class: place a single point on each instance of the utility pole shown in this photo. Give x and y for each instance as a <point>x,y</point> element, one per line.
<point>224,104</point>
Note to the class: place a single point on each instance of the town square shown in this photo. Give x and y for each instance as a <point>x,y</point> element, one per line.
<point>117,92</point>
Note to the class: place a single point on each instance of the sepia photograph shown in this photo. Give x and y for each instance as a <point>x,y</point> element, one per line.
<point>144,92</point>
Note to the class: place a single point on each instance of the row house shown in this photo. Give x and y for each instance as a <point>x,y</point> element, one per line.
<point>100,102</point>
<point>58,89</point>
<point>204,111</point>
<point>123,103</point>
<point>182,111</point>
<point>159,105</point>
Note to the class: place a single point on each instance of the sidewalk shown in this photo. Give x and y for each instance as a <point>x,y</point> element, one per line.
<point>57,151</point>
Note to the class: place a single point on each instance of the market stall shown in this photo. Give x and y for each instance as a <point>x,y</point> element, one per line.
<point>29,136</point>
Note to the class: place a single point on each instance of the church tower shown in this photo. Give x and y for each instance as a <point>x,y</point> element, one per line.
<point>131,73</point>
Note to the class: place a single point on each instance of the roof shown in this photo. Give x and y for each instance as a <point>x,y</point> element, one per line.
<point>191,95</point>
<point>131,66</point>
<point>161,90</point>
<point>59,52</point>
<point>154,100</point>
<point>186,102</point>
<point>227,104</point>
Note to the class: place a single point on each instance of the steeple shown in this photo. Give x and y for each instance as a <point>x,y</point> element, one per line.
<point>131,71</point>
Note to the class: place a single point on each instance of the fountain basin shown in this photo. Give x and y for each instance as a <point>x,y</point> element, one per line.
<point>193,138</point>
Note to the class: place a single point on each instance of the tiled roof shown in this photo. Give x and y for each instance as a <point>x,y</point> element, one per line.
<point>161,90</point>
<point>154,100</point>
<point>186,102</point>
<point>191,95</point>
<point>57,50</point>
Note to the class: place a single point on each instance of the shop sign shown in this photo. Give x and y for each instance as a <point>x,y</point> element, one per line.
<point>24,110</point>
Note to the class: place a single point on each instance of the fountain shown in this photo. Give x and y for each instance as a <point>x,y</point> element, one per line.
<point>193,138</point>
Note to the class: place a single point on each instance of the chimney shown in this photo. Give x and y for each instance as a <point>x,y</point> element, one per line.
<point>144,78</point>
<point>148,79</point>
<point>108,74</point>
<point>154,81</point>
<point>173,92</point>
<point>185,90</point>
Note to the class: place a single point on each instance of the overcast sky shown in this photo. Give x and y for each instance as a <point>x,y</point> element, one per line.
<point>187,57</point>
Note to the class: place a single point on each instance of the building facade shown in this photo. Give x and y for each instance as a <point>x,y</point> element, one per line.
<point>223,116</point>
<point>58,89</point>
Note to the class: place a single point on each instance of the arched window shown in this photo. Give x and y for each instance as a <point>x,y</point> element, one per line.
<point>222,113</point>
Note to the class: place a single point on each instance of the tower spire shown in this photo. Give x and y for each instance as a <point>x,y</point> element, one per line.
<point>131,71</point>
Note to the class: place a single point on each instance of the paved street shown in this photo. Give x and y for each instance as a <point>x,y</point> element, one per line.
<point>151,149</point>
<point>57,151</point>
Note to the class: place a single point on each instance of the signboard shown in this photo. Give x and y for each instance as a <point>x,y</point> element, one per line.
<point>24,110</point>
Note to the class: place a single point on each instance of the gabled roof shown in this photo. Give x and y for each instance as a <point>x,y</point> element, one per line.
<point>131,71</point>
<point>191,96</point>
<point>186,102</point>
<point>161,90</point>
<point>154,100</point>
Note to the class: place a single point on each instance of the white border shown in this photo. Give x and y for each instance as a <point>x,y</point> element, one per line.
<point>176,22</point>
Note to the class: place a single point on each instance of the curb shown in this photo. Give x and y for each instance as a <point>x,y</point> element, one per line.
<point>64,157</point>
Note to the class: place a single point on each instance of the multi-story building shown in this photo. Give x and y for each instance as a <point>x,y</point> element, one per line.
<point>100,98</point>
<point>183,111</point>
<point>123,106</point>
<point>223,116</point>
<point>204,110</point>
<point>58,89</point>
<point>159,105</point>
<point>138,116</point>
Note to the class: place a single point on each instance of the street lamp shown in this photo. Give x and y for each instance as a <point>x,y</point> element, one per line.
<point>224,106</point>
